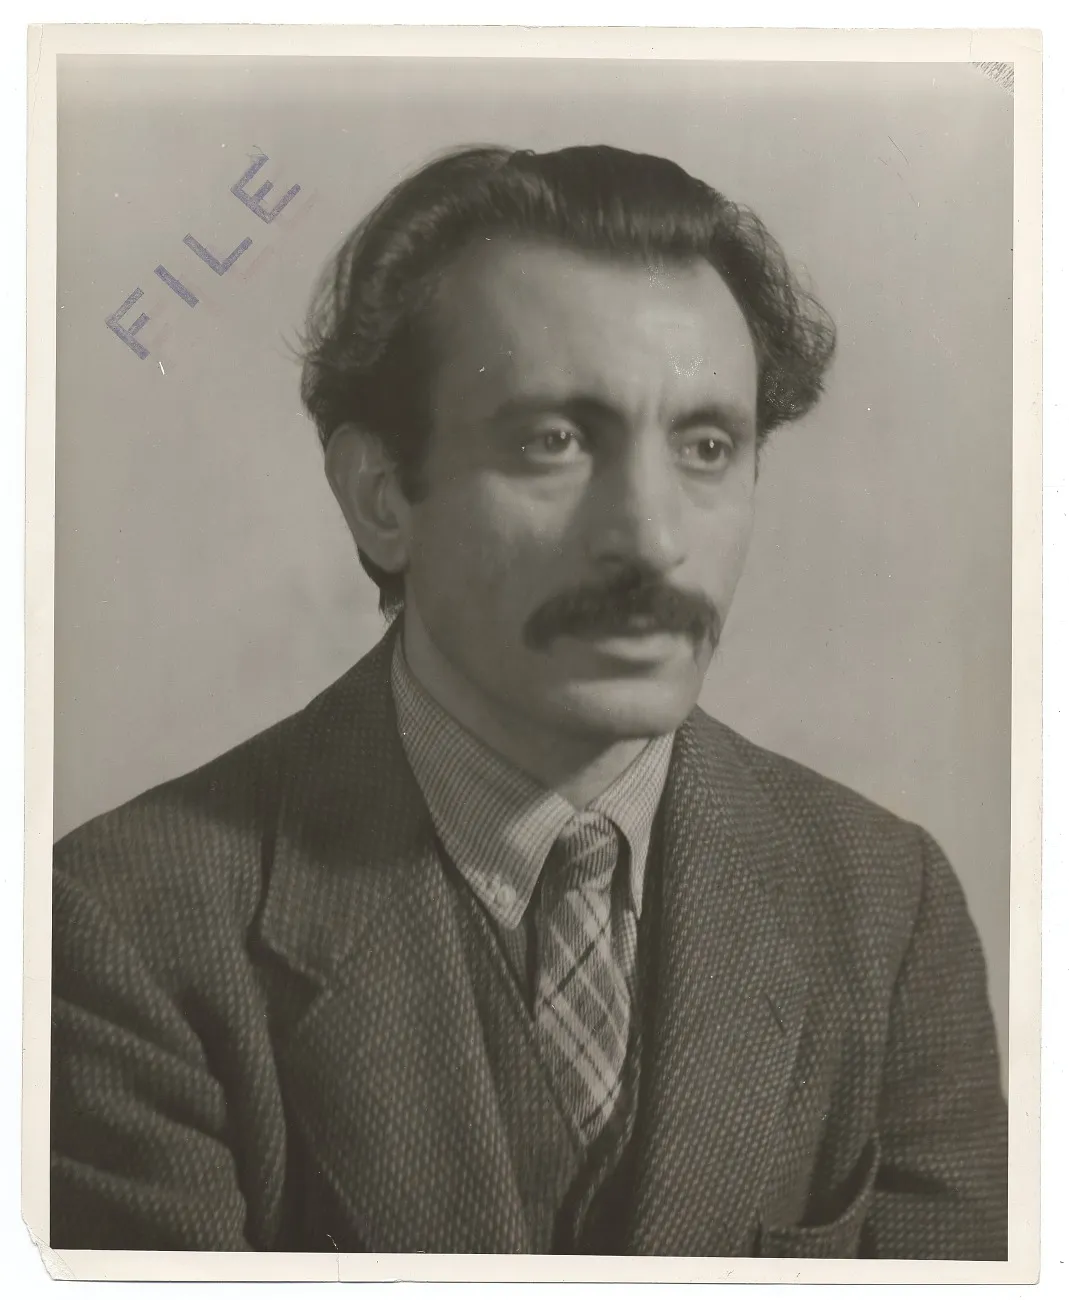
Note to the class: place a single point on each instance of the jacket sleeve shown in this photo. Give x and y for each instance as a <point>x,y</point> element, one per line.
<point>140,1153</point>
<point>941,1188</point>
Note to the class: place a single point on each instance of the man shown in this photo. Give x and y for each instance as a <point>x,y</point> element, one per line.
<point>501,944</point>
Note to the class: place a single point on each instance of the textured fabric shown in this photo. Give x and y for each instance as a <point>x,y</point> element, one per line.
<point>583,1007</point>
<point>497,823</point>
<point>562,1183</point>
<point>550,1167</point>
<point>267,1034</point>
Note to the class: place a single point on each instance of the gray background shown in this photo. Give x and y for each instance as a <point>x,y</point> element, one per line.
<point>205,584</point>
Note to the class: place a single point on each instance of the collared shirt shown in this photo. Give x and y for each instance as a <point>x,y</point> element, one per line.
<point>498,824</point>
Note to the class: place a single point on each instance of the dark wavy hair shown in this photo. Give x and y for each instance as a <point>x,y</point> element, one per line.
<point>368,356</point>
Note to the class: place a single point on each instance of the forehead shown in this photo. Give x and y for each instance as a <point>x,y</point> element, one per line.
<point>512,317</point>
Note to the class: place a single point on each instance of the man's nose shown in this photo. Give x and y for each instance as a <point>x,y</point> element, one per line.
<point>639,512</point>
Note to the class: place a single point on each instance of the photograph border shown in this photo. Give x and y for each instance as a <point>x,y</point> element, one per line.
<point>997,47</point>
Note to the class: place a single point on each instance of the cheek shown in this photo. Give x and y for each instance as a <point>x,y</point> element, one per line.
<point>720,538</point>
<point>739,529</point>
<point>485,545</point>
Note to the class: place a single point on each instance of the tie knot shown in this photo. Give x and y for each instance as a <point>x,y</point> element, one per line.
<point>585,853</point>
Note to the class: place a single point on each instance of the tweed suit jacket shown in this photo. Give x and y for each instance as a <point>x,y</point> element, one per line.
<point>266,1035</point>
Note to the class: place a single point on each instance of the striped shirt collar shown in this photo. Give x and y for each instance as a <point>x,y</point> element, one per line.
<point>497,823</point>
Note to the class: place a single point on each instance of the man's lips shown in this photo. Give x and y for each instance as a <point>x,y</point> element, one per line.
<point>636,628</point>
<point>641,646</point>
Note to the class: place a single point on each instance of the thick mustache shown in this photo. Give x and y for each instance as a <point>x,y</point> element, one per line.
<point>609,609</point>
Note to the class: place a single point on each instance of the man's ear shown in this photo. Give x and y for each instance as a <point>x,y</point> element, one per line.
<point>364,481</point>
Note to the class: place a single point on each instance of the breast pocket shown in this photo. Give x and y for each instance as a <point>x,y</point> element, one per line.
<point>838,1239</point>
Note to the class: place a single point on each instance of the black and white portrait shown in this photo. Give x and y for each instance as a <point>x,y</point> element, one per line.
<point>532,734</point>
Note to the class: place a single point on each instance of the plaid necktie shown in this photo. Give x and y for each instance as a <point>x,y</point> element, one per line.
<point>583,1003</point>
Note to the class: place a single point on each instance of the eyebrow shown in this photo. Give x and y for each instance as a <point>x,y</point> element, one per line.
<point>731,416</point>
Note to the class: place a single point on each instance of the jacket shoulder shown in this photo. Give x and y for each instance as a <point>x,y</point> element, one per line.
<point>859,858</point>
<point>802,789</point>
<point>798,788</point>
<point>203,833</point>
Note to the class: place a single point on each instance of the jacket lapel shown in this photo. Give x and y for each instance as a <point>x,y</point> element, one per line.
<point>726,998</point>
<point>386,1072</point>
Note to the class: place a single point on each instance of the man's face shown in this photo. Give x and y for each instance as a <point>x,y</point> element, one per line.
<point>589,485</point>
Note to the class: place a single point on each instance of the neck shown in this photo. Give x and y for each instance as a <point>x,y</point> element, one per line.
<point>578,768</point>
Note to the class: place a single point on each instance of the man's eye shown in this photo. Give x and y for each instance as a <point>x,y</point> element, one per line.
<point>708,453</point>
<point>552,445</point>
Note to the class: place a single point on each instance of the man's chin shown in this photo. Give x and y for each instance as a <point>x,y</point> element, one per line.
<point>625,709</point>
